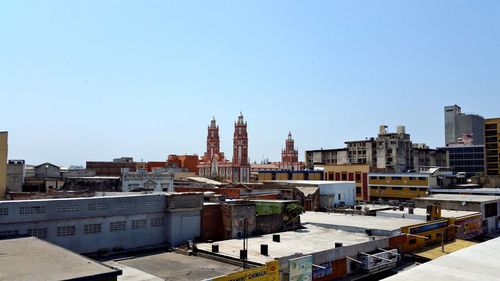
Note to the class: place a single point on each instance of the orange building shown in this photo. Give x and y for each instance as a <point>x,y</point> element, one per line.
<point>189,162</point>
<point>350,172</point>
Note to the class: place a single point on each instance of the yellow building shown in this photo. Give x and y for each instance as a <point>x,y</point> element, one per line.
<point>3,163</point>
<point>289,175</point>
<point>492,146</point>
<point>397,186</point>
<point>350,172</point>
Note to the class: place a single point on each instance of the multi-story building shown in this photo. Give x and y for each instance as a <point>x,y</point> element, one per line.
<point>158,180</point>
<point>465,158</point>
<point>394,150</point>
<point>389,152</point>
<point>458,124</point>
<point>361,152</point>
<point>400,186</point>
<point>3,163</point>
<point>336,156</point>
<point>350,172</point>
<point>425,157</point>
<point>492,146</point>
<point>105,223</point>
<point>215,165</point>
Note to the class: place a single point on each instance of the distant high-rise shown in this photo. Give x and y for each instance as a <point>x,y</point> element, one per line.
<point>492,146</point>
<point>458,124</point>
<point>3,163</point>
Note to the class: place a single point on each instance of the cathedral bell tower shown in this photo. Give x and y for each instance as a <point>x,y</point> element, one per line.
<point>213,142</point>
<point>240,142</point>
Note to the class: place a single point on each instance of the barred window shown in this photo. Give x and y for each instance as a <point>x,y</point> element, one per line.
<point>122,206</point>
<point>38,232</point>
<point>4,211</point>
<point>157,222</point>
<point>32,210</point>
<point>138,224</point>
<point>92,228</point>
<point>66,231</point>
<point>8,233</point>
<point>98,206</point>
<point>117,226</point>
<point>152,204</point>
<point>68,208</point>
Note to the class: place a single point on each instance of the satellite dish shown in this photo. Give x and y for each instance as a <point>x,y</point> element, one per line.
<point>463,203</point>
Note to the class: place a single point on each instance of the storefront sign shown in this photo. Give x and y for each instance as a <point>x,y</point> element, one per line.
<point>324,270</point>
<point>428,227</point>
<point>268,272</point>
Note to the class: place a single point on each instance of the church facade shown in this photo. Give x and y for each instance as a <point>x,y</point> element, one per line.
<point>214,164</point>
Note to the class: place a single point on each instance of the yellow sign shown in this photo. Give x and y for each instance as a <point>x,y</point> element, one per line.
<point>268,272</point>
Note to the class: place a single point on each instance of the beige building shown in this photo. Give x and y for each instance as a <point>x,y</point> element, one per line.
<point>3,163</point>
<point>350,172</point>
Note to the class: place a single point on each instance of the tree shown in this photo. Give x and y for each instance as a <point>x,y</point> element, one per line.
<point>294,209</point>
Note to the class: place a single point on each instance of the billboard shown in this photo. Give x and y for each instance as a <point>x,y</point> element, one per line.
<point>268,272</point>
<point>301,268</point>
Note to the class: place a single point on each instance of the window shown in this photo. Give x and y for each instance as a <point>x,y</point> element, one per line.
<point>373,177</point>
<point>157,222</point>
<point>122,206</point>
<point>381,178</point>
<point>344,176</point>
<point>358,177</point>
<point>396,178</point>
<point>411,178</point>
<point>397,188</point>
<point>32,210</point>
<point>8,233</point>
<point>117,226</point>
<point>383,187</point>
<point>413,189</point>
<point>4,211</point>
<point>98,206</point>
<point>68,208</point>
<point>66,231</point>
<point>136,224</point>
<point>38,232</point>
<point>92,228</point>
<point>152,204</point>
<point>490,210</point>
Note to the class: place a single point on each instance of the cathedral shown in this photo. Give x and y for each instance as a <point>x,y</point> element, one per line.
<point>213,163</point>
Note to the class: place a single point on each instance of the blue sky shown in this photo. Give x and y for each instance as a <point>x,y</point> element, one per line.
<point>94,80</point>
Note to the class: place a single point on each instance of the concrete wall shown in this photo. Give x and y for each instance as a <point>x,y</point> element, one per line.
<point>3,163</point>
<point>146,220</point>
<point>15,176</point>
<point>332,194</point>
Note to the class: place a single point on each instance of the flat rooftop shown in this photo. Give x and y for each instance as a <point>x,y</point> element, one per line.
<point>335,220</point>
<point>171,266</point>
<point>34,259</point>
<point>459,197</point>
<point>463,191</point>
<point>308,182</point>
<point>479,262</point>
<point>423,212</point>
<point>309,240</point>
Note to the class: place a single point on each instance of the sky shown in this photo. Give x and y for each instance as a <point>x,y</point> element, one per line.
<point>96,80</point>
